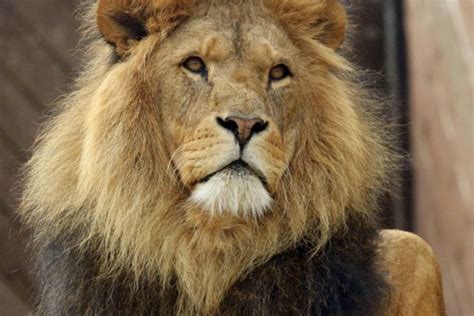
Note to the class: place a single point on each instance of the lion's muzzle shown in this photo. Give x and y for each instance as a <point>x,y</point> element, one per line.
<point>231,164</point>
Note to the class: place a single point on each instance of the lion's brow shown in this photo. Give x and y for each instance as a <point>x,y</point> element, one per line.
<point>216,47</point>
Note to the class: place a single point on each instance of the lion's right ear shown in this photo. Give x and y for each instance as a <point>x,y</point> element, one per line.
<point>123,23</point>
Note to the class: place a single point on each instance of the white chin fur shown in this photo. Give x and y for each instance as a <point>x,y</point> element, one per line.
<point>241,194</point>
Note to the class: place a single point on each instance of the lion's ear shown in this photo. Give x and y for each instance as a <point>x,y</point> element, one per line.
<point>333,22</point>
<point>325,20</point>
<point>123,23</point>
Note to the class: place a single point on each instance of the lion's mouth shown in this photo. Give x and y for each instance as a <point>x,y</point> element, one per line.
<point>240,167</point>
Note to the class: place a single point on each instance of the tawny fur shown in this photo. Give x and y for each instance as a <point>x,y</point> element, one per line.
<point>115,166</point>
<point>414,274</point>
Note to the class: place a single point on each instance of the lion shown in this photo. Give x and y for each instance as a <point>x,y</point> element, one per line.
<point>219,157</point>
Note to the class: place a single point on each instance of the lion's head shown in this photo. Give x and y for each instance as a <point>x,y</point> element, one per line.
<point>204,137</point>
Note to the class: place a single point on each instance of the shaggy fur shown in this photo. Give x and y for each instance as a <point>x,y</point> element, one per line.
<point>108,188</point>
<point>341,279</point>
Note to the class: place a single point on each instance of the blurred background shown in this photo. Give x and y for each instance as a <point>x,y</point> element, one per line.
<point>423,51</point>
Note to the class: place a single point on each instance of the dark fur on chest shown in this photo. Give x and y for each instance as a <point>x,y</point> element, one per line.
<point>342,279</point>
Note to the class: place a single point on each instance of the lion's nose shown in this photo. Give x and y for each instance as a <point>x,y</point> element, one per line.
<point>243,128</point>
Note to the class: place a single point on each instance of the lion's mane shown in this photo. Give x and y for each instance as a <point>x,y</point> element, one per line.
<point>87,189</point>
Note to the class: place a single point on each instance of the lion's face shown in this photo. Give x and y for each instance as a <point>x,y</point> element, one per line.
<point>227,100</point>
<point>231,87</point>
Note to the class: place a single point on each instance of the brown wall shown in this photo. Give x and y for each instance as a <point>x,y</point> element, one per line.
<point>440,36</point>
<point>37,39</point>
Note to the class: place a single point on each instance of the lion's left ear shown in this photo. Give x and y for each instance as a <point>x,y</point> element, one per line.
<point>324,20</point>
<point>123,23</point>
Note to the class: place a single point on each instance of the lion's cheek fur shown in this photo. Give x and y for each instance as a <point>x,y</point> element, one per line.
<point>205,150</point>
<point>269,155</point>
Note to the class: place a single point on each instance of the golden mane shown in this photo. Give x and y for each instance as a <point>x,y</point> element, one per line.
<point>125,203</point>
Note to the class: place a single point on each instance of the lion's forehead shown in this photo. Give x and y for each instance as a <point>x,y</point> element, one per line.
<point>221,36</point>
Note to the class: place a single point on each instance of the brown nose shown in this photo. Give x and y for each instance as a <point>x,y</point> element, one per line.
<point>243,128</point>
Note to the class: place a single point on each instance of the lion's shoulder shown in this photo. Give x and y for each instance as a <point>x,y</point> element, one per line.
<point>413,273</point>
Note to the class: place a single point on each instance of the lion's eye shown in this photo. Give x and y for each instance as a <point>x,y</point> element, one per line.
<point>279,72</point>
<point>195,65</point>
